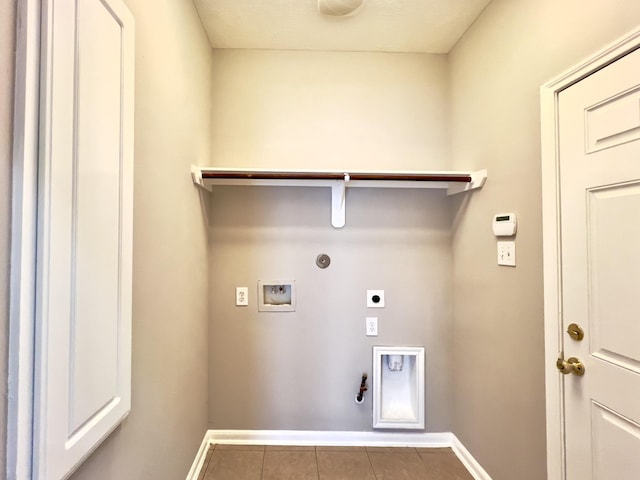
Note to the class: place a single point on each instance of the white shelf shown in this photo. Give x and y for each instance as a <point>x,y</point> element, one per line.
<point>339,181</point>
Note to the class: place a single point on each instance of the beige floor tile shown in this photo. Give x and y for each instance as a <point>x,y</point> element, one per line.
<point>229,464</point>
<point>213,460</point>
<point>289,465</point>
<point>397,466</point>
<point>445,466</point>
<point>255,462</point>
<point>344,465</point>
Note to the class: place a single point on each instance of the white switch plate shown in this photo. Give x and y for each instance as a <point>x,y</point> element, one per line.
<point>372,296</point>
<point>372,326</point>
<point>507,253</point>
<point>242,296</point>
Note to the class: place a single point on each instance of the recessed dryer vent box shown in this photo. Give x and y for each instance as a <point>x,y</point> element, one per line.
<point>398,387</point>
<point>277,296</point>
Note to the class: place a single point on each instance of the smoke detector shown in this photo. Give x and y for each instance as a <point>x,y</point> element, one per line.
<point>339,8</point>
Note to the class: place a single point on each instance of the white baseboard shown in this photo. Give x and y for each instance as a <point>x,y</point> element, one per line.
<point>471,464</point>
<point>198,463</point>
<point>329,438</point>
<point>338,439</point>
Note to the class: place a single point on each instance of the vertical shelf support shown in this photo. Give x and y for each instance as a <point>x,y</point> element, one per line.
<point>338,202</point>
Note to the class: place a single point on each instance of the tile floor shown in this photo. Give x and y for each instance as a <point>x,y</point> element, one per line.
<point>257,462</point>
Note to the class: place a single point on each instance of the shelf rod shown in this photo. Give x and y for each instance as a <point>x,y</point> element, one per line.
<point>258,175</point>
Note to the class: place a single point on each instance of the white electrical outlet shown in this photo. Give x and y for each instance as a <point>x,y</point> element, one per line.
<point>372,326</point>
<point>375,298</point>
<point>242,296</point>
<point>507,254</point>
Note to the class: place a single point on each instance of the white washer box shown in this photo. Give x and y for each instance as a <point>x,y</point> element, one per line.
<point>277,296</point>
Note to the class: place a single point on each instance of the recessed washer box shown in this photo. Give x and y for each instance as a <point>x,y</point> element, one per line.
<point>277,296</point>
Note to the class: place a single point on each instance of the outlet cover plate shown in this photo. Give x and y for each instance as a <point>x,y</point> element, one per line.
<point>242,296</point>
<point>372,326</point>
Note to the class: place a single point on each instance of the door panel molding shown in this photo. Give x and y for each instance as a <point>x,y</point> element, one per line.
<point>551,239</point>
<point>617,430</point>
<point>605,205</point>
<point>613,121</point>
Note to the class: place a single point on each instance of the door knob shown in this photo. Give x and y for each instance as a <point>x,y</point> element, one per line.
<point>572,365</point>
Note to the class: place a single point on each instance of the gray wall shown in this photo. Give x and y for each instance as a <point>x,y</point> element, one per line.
<point>168,420</point>
<point>331,110</point>
<point>7,44</point>
<point>301,370</point>
<point>344,110</point>
<point>496,71</point>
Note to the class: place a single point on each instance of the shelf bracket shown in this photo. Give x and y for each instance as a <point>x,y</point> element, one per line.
<point>338,202</point>
<point>477,181</point>
<point>196,176</point>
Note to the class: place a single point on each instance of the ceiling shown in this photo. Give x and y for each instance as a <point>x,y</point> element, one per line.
<point>428,26</point>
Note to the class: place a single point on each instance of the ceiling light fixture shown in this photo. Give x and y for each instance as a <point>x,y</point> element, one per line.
<point>339,8</point>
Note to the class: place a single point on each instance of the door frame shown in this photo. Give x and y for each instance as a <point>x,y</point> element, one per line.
<point>550,158</point>
<point>22,282</point>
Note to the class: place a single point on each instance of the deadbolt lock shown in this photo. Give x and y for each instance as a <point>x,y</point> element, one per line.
<point>575,331</point>
<point>572,365</point>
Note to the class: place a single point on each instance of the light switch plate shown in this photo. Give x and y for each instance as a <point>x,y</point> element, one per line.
<point>507,254</point>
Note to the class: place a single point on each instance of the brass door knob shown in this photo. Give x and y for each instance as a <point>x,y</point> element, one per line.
<point>572,365</point>
<point>563,366</point>
<point>578,366</point>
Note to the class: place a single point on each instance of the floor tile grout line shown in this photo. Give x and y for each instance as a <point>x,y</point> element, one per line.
<point>375,475</point>
<point>264,456</point>
<point>208,457</point>
<point>424,464</point>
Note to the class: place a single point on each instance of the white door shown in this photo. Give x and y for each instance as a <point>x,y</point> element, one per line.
<point>83,294</point>
<point>599,138</point>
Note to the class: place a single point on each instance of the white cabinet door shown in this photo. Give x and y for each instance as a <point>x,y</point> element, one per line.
<point>83,305</point>
<point>600,224</point>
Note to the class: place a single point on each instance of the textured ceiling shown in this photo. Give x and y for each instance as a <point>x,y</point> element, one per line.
<point>430,26</point>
